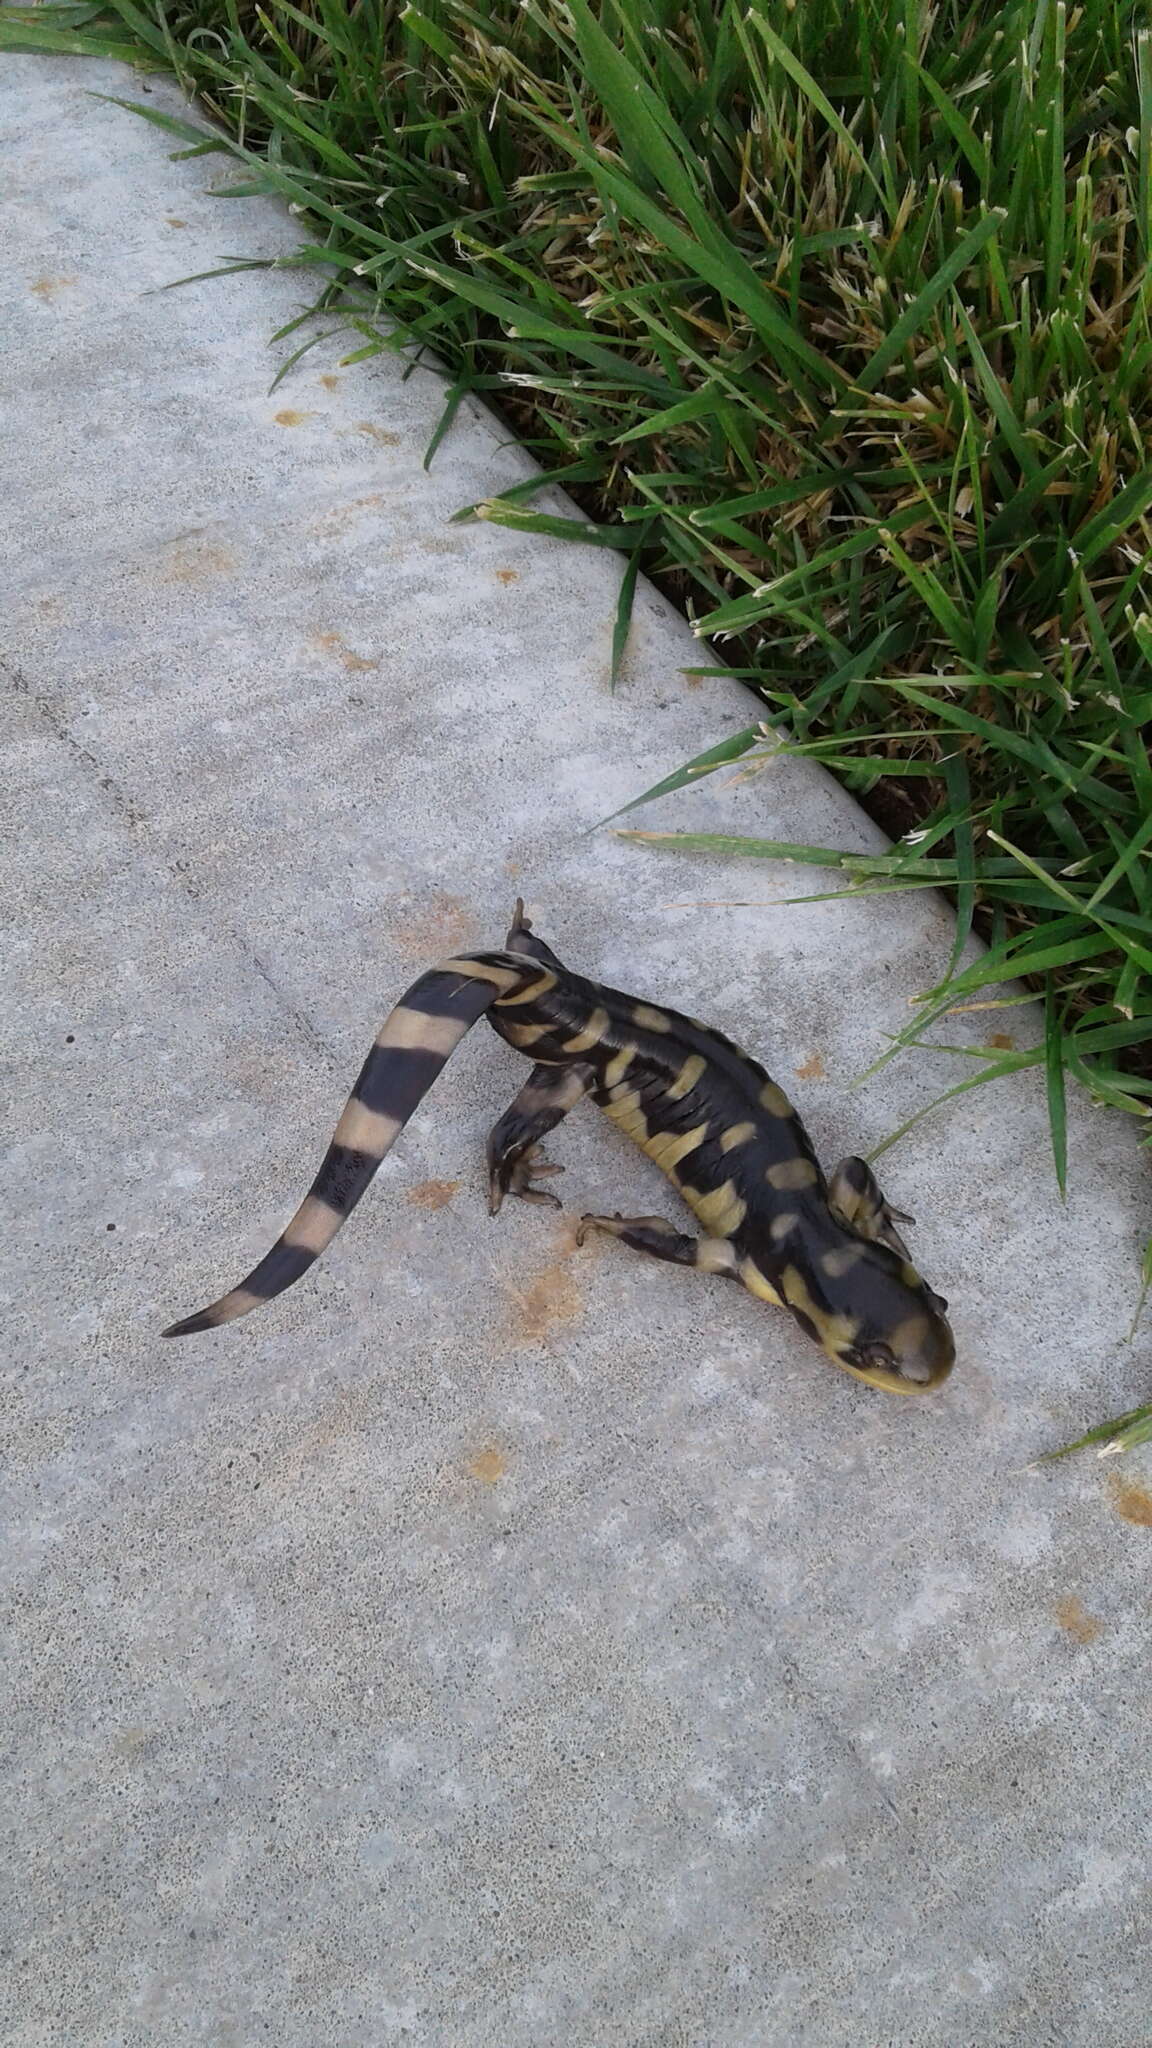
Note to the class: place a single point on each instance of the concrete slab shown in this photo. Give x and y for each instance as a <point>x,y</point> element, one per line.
<point>493,1642</point>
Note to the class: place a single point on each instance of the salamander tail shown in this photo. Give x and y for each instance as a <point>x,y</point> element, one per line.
<point>415,1041</point>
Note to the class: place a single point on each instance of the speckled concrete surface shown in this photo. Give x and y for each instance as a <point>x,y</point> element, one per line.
<point>491,1643</point>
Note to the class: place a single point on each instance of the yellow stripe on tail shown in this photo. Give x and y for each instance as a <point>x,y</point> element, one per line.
<point>413,1044</point>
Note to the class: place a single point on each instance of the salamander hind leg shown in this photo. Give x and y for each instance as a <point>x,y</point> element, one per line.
<point>514,1161</point>
<point>522,939</point>
<point>661,1240</point>
<point>855,1194</point>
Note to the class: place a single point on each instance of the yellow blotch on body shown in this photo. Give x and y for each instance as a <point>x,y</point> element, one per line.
<point>715,1255</point>
<point>591,1035</point>
<point>736,1134</point>
<point>756,1284</point>
<point>687,1078</point>
<point>721,1211</point>
<point>618,1066</point>
<point>835,1331</point>
<point>840,1261</point>
<point>535,989</point>
<point>480,970</point>
<point>668,1148</point>
<point>525,1034</point>
<point>790,1174</point>
<point>626,1113</point>
<point>774,1100</point>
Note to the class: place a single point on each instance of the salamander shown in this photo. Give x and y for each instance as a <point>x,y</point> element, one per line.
<point>826,1249</point>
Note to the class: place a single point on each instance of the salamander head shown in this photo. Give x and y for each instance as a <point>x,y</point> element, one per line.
<point>872,1315</point>
<point>910,1359</point>
<point>903,1342</point>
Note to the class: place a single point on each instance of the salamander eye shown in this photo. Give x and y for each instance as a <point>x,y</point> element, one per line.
<point>876,1356</point>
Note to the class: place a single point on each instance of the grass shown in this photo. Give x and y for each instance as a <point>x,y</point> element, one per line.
<point>835,316</point>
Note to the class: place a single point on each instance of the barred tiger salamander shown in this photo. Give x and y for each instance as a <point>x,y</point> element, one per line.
<point>729,1140</point>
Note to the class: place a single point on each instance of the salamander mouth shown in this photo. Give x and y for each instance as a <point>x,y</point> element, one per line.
<point>917,1370</point>
<point>888,1380</point>
<point>877,1366</point>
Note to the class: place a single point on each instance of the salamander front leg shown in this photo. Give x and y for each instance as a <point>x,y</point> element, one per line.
<point>653,1234</point>
<point>858,1199</point>
<point>514,1163</point>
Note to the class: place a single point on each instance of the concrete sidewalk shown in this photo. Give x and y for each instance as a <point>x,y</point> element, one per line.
<point>492,1642</point>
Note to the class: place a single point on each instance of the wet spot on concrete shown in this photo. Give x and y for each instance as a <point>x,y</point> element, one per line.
<point>433,1194</point>
<point>1132,1503</point>
<point>1001,1041</point>
<point>507,575</point>
<point>378,434</point>
<point>488,1465</point>
<point>813,1068</point>
<point>439,927</point>
<point>546,1300</point>
<point>132,1742</point>
<point>288,418</point>
<point>1074,1617</point>
<point>343,518</point>
<point>334,643</point>
<point>49,288</point>
<point>197,562</point>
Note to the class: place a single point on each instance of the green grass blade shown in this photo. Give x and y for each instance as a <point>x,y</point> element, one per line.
<point>1123,1433</point>
<point>790,62</point>
<point>30,36</point>
<point>454,398</point>
<point>959,788</point>
<point>1054,1078</point>
<point>187,131</point>
<point>1145,1286</point>
<point>720,756</point>
<point>915,316</point>
<point>1010,1063</point>
<point>622,623</point>
<point>498,512</point>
